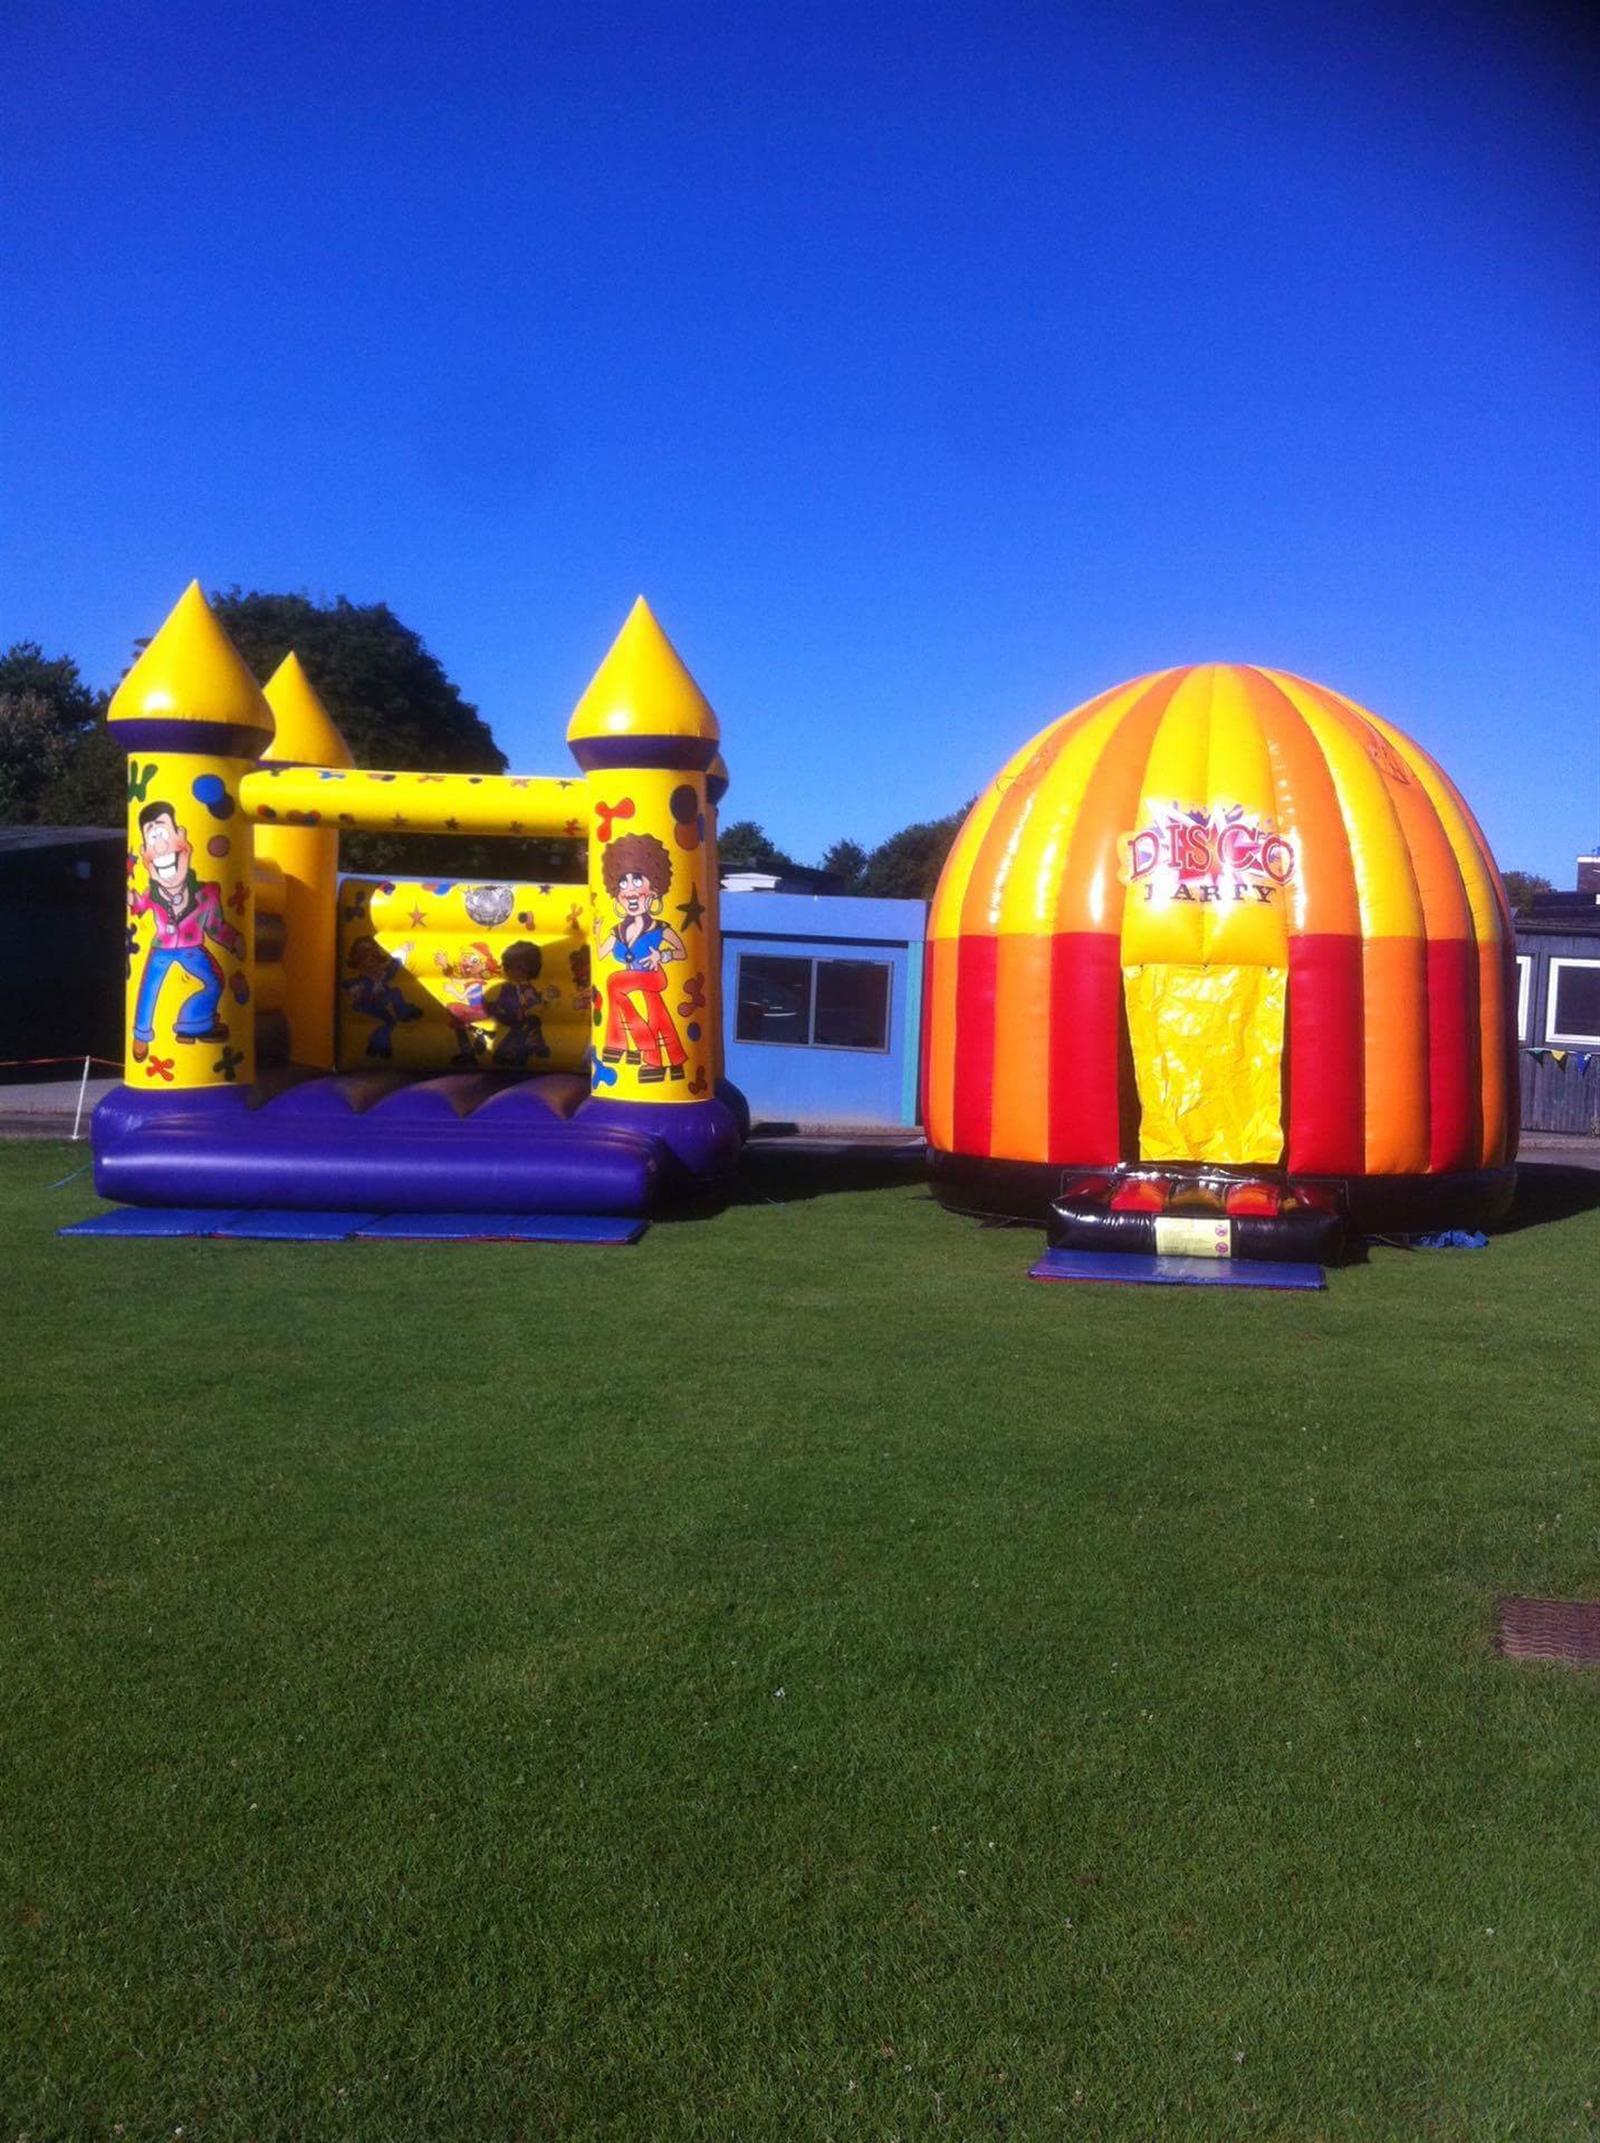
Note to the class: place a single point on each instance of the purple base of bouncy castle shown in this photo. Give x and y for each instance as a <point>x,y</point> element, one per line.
<point>387,1141</point>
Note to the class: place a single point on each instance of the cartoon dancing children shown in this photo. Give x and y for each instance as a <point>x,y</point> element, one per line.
<point>374,991</point>
<point>465,979</point>
<point>187,911</point>
<point>515,1006</point>
<point>638,876</point>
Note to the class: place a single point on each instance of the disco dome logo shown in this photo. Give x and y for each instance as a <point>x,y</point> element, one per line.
<point>1212,856</point>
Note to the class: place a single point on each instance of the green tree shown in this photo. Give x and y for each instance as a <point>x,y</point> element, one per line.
<point>90,787</point>
<point>1520,888</point>
<point>847,861</point>
<point>48,718</point>
<point>33,749</point>
<point>395,706</point>
<point>907,865</point>
<point>389,697</point>
<point>744,846</point>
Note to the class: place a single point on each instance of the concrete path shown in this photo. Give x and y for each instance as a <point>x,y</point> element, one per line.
<point>46,1109</point>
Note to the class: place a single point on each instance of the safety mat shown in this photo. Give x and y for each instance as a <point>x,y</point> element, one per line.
<point>1131,1269</point>
<point>502,1228</point>
<point>332,1227</point>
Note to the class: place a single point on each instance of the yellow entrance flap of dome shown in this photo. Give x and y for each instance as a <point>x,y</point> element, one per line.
<point>1208,1060</point>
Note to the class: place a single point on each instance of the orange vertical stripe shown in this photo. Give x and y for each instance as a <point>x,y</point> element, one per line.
<point>1394,989</point>
<point>1497,1070</point>
<point>939,1072</point>
<point>1021,1104</point>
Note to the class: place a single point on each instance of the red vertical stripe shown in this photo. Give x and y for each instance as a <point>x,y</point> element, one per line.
<point>1454,1046</point>
<point>1325,1106</point>
<point>1085,1037</point>
<point>975,1001</point>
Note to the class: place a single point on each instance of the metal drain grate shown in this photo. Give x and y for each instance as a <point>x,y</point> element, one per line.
<point>1564,1630</point>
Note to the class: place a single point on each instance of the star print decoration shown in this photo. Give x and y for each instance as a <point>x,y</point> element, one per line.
<point>692,910</point>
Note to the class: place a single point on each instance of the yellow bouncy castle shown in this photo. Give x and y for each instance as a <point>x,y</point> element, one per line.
<point>1221,942</point>
<point>299,1040</point>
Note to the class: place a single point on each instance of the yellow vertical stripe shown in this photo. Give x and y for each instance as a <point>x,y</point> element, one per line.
<point>1032,885</point>
<point>1089,896</point>
<point>1486,900</point>
<point>1386,887</point>
<point>1159,927</point>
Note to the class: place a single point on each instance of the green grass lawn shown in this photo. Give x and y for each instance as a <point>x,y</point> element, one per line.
<point>795,1678</point>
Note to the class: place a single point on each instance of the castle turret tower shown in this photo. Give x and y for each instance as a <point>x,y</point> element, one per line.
<point>193,721</point>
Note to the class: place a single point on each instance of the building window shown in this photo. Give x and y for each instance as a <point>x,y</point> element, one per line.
<point>1524,977</point>
<point>1572,1007</point>
<point>852,1005</point>
<point>774,1000</point>
<point>815,1004</point>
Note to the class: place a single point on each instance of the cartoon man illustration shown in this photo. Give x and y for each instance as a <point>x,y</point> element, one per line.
<point>374,991</point>
<point>187,911</point>
<point>517,1004</point>
<point>638,876</point>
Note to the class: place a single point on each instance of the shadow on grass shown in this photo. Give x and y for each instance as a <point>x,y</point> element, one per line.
<point>770,1174</point>
<point>1550,1191</point>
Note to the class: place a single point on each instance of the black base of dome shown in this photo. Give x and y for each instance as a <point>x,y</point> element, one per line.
<point>1370,1205</point>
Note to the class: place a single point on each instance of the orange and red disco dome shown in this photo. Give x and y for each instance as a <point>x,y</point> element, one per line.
<point>1221,918</point>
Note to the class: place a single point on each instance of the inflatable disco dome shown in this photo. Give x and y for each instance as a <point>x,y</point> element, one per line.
<point>1221,945</point>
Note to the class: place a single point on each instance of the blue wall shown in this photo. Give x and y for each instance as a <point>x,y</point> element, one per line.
<point>800,1081</point>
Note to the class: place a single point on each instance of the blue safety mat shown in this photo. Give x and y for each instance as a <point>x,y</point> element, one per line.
<point>1139,1270</point>
<point>153,1220</point>
<point>502,1228</point>
<point>282,1226</point>
<point>287,1227</point>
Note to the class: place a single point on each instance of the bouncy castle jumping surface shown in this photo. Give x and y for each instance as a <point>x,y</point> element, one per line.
<point>1221,947</point>
<point>302,1041</point>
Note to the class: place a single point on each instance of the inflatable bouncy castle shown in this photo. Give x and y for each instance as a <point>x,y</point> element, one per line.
<point>299,1040</point>
<point>1221,960</point>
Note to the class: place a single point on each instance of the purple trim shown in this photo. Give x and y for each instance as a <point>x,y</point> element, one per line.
<point>214,740</point>
<point>701,1138</point>
<point>386,1143</point>
<point>716,789</point>
<point>685,755</point>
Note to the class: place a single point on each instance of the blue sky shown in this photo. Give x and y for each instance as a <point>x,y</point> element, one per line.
<point>930,368</point>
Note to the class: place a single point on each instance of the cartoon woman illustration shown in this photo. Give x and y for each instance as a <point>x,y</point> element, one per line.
<point>374,991</point>
<point>466,977</point>
<point>638,876</point>
<point>516,1005</point>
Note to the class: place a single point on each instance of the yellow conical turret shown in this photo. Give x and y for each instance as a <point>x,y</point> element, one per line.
<point>192,720</point>
<point>643,689</point>
<point>305,734</point>
<point>191,673</point>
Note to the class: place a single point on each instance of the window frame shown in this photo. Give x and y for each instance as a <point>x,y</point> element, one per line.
<point>1524,994</point>
<point>1551,1033</point>
<point>814,960</point>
